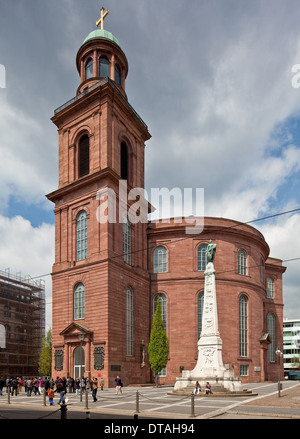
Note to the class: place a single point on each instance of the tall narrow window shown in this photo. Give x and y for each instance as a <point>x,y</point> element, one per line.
<point>103,67</point>
<point>124,161</point>
<point>83,156</point>
<point>89,69</point>
<point>271,332</point>
<point>79,302</point>
<point>81,235</point>
<point>127,240</point>
<point>163,302</point>
<point>270,288</point>
<point>160,260</point>
<point>200,312</point>
<point>117,75</point>
<point>129,321</point>
<point>262,271</point>
<point>201,257</point>
<point>243,318</point>
<point>242,262</point>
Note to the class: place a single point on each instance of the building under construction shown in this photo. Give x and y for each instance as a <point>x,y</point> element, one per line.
<point>22,324</point>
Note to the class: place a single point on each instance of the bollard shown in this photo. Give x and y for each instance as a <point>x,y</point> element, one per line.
<point>137,402</point>
<point>192,405</point>
<point>8,396</point>
<point>63,410</point>
<point>88,415</point>
<point>44,397</point>
<point>86,400</point>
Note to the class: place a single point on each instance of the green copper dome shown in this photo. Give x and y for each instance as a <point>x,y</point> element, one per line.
<point>101,33</point>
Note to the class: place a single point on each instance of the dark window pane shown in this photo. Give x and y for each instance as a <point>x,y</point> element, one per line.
<point>84,156</point>
<point>124,162</point>
<point>103,67</point>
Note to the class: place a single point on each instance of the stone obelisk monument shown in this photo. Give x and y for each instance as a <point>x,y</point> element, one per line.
<point>209,365</point>
<point>210,362</point>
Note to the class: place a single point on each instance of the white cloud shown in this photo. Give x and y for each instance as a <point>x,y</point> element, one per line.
<point>283,237</point>
<point>27,169</point>
<point>28,250</point>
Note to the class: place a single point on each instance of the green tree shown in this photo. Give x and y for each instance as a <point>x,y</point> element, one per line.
<point>45,362</point>
<point>158,348</point>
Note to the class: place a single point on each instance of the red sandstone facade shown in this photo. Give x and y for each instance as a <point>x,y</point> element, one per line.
<point>182,283</point>
<point>104,283</point>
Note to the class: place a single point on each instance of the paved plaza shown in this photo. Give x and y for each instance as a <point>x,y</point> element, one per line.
<point>160,403</point>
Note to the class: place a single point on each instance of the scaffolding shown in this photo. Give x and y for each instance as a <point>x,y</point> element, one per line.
<point>22,314</point>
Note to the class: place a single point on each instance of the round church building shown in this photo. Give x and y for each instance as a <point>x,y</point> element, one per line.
<point>248,295</point>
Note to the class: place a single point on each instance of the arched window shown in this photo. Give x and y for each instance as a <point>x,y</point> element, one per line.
<point>103,67</point>
<point>127,240</point>
<point>79,302</point>
<point>81,235</point>
<point>243,324</point>
<point>160,260</point>
<point>271,332</point>
<point>117,75</point>
<point>201,257</point>
<point>129,321</point>
<point>83,156</point>
<point>89,69</point>
<point>242,262</point>
<point>200,312</point>
<point>124,161</point>
<point>270,288</point>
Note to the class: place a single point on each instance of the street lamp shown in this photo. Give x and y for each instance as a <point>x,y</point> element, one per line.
<point>279,354</point>
<point>81,338</point>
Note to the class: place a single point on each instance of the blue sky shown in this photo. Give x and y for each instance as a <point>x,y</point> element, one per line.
<point>211,79</point>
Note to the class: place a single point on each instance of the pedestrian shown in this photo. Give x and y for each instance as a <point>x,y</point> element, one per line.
<point>2,384</point>
<point>52,384</point>
<point>83,383</point>
<point>36,386</point>
<point>101,383</point>
<point>72,384</point>
<point>119,385</point>
<point>41,383</point>
<point>77,386</point>
<point>29,386</point>
<point>14,386</point>
<point>61,389</point>
<point>8,384</point>
<point>94,388</point>
<point>197,388</point>
<point>20,384</point>
<point>51,395</point>
<point>208,388</point>
<point>47,384</point>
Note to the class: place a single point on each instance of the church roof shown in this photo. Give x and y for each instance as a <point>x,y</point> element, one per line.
<point>101,33</point>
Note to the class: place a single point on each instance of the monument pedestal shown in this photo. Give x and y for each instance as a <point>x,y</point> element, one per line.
<point>209,365</point>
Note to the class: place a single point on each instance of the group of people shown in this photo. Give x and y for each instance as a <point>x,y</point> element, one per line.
<point>60,386</point>
<point>14,385</point>
<point>207,389</point>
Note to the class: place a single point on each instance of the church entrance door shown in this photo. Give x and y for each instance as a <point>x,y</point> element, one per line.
<point>79,363</point>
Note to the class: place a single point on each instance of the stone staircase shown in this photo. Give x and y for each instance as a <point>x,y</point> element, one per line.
<point>217,391</point>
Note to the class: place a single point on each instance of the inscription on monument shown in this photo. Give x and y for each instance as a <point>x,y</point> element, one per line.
<point>59,359</point>
<point>99,358</point>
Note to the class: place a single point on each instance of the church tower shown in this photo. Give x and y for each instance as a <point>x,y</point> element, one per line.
<point>100,278</point>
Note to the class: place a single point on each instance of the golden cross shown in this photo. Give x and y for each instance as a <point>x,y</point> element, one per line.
<point>101,19</point>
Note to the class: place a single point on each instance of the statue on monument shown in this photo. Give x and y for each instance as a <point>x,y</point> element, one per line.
<point>211,251</point>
